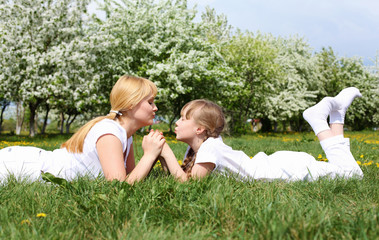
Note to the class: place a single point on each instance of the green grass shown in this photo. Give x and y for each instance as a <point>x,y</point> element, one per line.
<point>215,207</point>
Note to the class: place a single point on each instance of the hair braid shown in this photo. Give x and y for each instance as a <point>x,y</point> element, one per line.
<point>189,161</point>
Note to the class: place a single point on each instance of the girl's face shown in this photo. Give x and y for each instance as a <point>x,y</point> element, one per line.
<point>186,128</point>
<point>144,112</point>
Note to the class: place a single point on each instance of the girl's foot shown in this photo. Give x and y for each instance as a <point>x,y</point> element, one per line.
<point>317,115</point>
<point>343,100</point>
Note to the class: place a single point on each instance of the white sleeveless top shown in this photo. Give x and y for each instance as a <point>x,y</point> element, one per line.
<point>67,165</point>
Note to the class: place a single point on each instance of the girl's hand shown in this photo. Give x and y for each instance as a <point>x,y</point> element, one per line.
<point>152,143</point>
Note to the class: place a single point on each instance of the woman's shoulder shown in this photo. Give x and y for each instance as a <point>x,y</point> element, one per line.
<point>108,126</point>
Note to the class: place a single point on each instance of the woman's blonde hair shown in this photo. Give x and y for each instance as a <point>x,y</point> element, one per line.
<point>208,115</point>
<point>125,95</point>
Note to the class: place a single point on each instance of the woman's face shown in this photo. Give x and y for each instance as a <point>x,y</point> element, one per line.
<point>186,128</point>
<point>144,112</point>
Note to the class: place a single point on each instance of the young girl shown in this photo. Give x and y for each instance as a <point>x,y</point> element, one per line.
<point>202,121</point>
<point>102,146</point>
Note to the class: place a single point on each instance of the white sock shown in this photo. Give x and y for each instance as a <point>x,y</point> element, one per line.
<point>343,100</point>
<point>317,115</point>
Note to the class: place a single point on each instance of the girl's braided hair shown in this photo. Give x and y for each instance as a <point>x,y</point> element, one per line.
<point>210,116</point>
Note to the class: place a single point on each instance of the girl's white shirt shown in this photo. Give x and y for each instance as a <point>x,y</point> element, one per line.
<point>68,165</point>
<point>285,165</point>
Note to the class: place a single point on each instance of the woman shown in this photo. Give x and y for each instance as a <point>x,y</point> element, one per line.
<point>103,146</point>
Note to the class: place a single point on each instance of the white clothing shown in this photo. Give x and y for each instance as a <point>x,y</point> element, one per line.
<point>30,161</point>
<point>285,165</point>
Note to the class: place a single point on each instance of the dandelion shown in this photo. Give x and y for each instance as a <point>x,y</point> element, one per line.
<point>319,156</point>
<point>180,162</point>
<point>359,162</point>
<point>25,221</point>
<point>361,156</point>
<point>377,165</point>
<point>368,163</point>
<point>40,215</point>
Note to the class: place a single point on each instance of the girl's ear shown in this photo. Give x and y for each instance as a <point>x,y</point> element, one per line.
<point>200,130</point>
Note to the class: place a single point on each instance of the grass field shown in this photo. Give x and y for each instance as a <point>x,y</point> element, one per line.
<point>215,207</point>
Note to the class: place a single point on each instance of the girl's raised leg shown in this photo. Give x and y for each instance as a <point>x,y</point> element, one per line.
<point>335,146</point>
<point>317,117</point>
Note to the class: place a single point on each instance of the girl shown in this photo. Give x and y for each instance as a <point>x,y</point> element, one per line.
<point>202,121</point>
<point>102,146</point>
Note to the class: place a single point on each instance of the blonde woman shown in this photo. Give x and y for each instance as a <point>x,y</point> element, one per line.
<point>103,146</point>
<point>202,122</point>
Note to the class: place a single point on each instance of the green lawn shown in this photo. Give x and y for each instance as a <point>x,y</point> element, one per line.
<point>215,207</point>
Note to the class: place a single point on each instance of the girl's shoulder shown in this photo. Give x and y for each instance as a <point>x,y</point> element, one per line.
<point>210,151</point>
<point>213,142</point>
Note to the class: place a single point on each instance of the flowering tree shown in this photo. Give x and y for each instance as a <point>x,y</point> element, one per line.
<point>35,35</point>
<point>160,41</point>
<point>338,73</point>
<point>299,83</point>
<point>255,75</point>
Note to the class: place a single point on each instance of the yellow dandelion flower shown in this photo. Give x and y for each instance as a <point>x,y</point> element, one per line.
<point>361,156</point>
<point>359,162</point>
<point>377,164</point>
<point>180,162</point>
<point>319,156</point>
<point>25,221</point>
<point>41,215</point>
<point>368,163</point>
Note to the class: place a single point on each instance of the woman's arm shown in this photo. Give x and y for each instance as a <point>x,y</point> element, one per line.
<point>130,161</point>
<point>111,157</point>
<point>152,146</point>
<point>199,170</point>
<point>109,150</point>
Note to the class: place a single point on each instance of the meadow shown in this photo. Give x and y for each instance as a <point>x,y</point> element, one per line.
<point>215,207</point>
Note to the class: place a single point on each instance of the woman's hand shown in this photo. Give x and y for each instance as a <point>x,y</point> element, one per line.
<point>152,144</point>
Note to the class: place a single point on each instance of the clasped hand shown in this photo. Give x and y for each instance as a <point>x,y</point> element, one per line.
<point>152,143</point>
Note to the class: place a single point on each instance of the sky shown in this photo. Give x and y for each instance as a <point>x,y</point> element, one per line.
<point>350,27</point>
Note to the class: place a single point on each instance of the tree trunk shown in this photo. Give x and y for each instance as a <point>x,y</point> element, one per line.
<point>171,122</point>
<point>266,125</point>
<point>69,122</point>
<point>20,112</point>
<point>32,108</point>
<point>36,122</point>
<point>62,122</point>
<point>1,116</point>
<point>45,119</point>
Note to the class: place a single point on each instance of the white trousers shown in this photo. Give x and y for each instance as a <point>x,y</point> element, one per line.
<point>294,166</point>
<point>21,161</point>
<point>337,150</point>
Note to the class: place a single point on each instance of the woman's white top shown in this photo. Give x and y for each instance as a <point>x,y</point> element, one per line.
<point>30,161</point>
